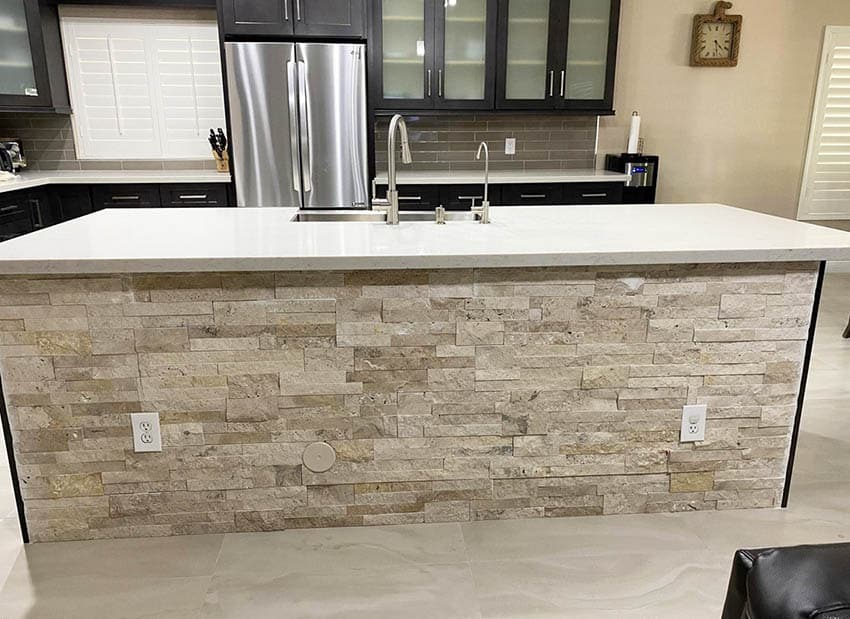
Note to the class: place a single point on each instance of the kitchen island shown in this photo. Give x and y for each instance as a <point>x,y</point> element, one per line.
<point>533,367</point>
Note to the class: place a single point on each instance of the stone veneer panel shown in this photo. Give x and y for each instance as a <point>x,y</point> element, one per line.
<point>448,395</point>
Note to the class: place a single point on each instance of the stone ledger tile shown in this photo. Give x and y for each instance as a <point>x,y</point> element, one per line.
<point>450,395</point>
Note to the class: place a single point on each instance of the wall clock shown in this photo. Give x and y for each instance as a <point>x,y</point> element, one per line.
<point>716,38</point>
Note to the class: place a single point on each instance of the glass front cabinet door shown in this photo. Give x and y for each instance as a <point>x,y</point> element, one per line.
<point>434,54</point>
<point>557,54</point>
<point>23,71</point>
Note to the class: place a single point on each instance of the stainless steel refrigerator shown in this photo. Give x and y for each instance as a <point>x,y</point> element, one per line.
<point>298,124</point>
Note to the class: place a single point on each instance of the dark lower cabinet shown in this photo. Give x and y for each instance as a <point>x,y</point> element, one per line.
<point>125,196</point>
<point>593,193</point>
<point>70,201</point>
<point>464,197</point>
<point>29,210</point>
<point>16,217</point>
<point>193,195</point>
<point>532,194</point>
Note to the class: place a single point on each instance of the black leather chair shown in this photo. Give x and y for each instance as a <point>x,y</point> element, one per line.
<point>804,582</point>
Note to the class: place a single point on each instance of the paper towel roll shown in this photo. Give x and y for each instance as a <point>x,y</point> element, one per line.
<point>634,135</point>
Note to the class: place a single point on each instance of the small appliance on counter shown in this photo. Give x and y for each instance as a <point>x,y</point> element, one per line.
<point>642,187</point>
<point>12,157</point>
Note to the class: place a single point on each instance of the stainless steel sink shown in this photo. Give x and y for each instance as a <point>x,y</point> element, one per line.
<point>335,216</point>
<point>377,217</point>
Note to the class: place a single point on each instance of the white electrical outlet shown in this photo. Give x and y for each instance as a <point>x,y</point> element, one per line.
<point>693,423</point>
<point>146,432</point>
<point>510,146</point>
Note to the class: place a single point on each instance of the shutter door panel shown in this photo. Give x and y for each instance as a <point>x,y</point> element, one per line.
<point>143,88</point>
<point>825,194</point>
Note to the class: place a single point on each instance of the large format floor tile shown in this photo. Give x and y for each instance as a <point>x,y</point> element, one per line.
<point>664,566</point>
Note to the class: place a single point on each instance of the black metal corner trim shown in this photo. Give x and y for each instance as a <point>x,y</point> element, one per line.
<point>807,361</point>
<point>13,467</point>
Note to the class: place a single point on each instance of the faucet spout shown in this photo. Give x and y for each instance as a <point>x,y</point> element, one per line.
<point>483,211</point>
<point>397,128</point>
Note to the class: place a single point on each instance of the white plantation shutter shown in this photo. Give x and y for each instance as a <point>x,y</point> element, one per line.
<point>825,193</point>
<point>142,88</point>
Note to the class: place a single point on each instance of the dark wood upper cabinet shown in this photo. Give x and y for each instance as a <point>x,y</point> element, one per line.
<point>557,55</point>
<point>300,18</point>
<point>32,71</point>
<point>330,18</point>
<point>542,55</point>
<point>257,17</point>
<point>433,54</point>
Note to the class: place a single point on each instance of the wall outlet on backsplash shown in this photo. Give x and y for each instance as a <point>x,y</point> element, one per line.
<point>693,423</point>
<point>510,146</point>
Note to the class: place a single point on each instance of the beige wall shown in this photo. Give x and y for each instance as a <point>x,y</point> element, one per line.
<point>736,136</point>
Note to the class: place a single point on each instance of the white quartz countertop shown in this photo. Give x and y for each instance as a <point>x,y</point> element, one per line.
<point>503,177</point>
<point>30,180</point>
<point>212,239</point>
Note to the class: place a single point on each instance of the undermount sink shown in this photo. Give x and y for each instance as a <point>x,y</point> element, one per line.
<point>377,216</point>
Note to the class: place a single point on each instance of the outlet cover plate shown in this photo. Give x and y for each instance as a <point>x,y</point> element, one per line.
<point>510,146</point>
<point>146,432</point>
<point>693,423</point>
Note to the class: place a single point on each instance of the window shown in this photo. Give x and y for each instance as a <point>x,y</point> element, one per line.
<point>143,84</point>
<point>825,193</point>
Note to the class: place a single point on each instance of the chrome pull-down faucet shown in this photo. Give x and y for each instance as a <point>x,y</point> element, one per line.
<point>483,211</point>
<point>390,205</point>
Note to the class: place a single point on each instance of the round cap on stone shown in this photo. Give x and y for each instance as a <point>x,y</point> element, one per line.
<point>319,457</point>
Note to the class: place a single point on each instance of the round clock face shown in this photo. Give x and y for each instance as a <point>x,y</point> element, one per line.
<point>715,40</point>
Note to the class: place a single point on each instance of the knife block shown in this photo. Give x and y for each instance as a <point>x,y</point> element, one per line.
<point>222,162</point>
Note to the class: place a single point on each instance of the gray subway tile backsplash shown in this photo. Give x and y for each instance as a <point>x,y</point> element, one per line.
<point>549,142</point>
<point>49,145</point>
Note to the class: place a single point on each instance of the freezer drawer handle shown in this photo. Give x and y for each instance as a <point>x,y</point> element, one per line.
<point>470,197</point>
<point>532,196</point>
<point>200,196</point>
<point>410,198</point>
<point>125,198</point>
<point>594,195</point>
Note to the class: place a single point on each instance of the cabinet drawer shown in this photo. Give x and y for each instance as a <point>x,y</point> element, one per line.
<point>15,216</point>
<point>125,196</point>
<point>464,197</point>
<point>414,197</point>
<point>532,194</point>
<point>593,193</point>
<point>194,195</point>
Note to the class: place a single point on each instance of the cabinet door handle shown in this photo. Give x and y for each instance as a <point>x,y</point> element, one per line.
<point>563,83</point>
<point>551,83</point>
<point>200,196</point>
<point>298,10</point>
<point>6,209</point>
<point>126,198</point>
<point>594,195</point>
<point>285,10</point>
<point>429,81</point>
<point>440,83</point>
<point>410,198</point>
<point>36,206</point>
<point>532,196</point>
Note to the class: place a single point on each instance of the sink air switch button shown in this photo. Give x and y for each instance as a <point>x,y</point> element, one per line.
<point>319,457</point>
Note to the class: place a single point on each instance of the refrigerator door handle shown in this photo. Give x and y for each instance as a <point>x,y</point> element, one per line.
<point>292,78</point>
<point>304,119</point>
